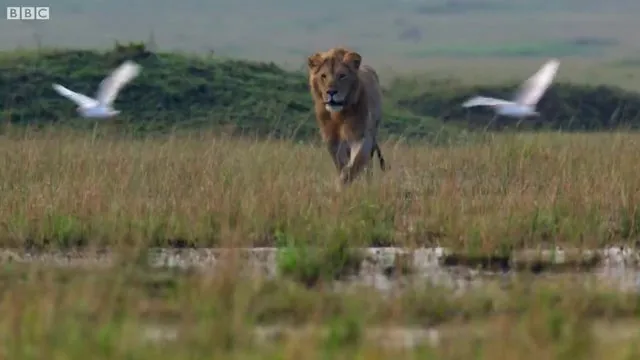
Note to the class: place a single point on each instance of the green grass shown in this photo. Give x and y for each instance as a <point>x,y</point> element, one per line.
<point>110,313</point>
<point>67,188</point>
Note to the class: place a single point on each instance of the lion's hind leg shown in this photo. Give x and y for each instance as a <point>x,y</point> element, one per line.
<point>375,149</point>
<point>368,169</point>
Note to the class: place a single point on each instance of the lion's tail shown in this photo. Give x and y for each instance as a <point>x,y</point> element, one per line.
<point>375,149</point>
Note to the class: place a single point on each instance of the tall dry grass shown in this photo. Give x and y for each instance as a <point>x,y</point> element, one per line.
<point>67,188</point>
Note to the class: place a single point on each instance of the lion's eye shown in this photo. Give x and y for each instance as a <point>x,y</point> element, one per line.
<point>341,76</point>
<point>323,76</point>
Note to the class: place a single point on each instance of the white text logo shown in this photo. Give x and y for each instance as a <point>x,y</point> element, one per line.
<point>27,13</point>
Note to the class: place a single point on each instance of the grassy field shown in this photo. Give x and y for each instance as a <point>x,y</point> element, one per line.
<point>68,188</point>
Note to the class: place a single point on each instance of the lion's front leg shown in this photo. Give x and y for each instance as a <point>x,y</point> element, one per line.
<point>360,155</point>
<point>339,151</point>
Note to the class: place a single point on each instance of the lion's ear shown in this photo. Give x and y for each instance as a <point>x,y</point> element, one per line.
<point>353,58</point>
<point>314,61</point>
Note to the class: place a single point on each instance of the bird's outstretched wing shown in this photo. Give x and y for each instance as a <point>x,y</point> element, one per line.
<point>111,85</point>
<point>534,87</point>
<point>79,99</point>
<point>484,101</point>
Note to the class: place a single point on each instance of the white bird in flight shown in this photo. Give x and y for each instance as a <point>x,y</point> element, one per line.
<point>526,98</point>
<point>101,106</point>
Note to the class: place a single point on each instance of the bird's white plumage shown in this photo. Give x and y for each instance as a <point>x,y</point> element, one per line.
<point>79,99</point>
<point>527,96</point>
<point>112,84</point>
<point>534,87</point>
<point>107,92</point>
<point>484,101</point>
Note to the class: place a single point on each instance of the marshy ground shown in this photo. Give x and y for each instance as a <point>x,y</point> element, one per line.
<point>515,247</point>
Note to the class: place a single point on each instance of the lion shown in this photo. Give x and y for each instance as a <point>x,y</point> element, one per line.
<point>348,107</point>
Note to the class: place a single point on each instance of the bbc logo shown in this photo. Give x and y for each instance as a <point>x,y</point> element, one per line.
<point>27,13</point>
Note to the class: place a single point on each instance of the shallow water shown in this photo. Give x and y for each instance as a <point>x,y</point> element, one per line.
<point>614,266</point>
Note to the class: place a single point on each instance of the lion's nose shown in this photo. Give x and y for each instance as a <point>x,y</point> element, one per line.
<point>332,92</point>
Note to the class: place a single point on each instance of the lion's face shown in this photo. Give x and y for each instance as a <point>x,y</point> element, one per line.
<point>334,75</point>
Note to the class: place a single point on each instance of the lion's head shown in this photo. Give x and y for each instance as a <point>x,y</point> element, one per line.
<point>333,77</point>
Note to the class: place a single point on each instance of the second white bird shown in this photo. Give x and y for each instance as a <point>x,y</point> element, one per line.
<point>527,97</point>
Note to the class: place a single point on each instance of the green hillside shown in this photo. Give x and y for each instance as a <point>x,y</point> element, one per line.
<point>242,97</point>
<point>251,98</point>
